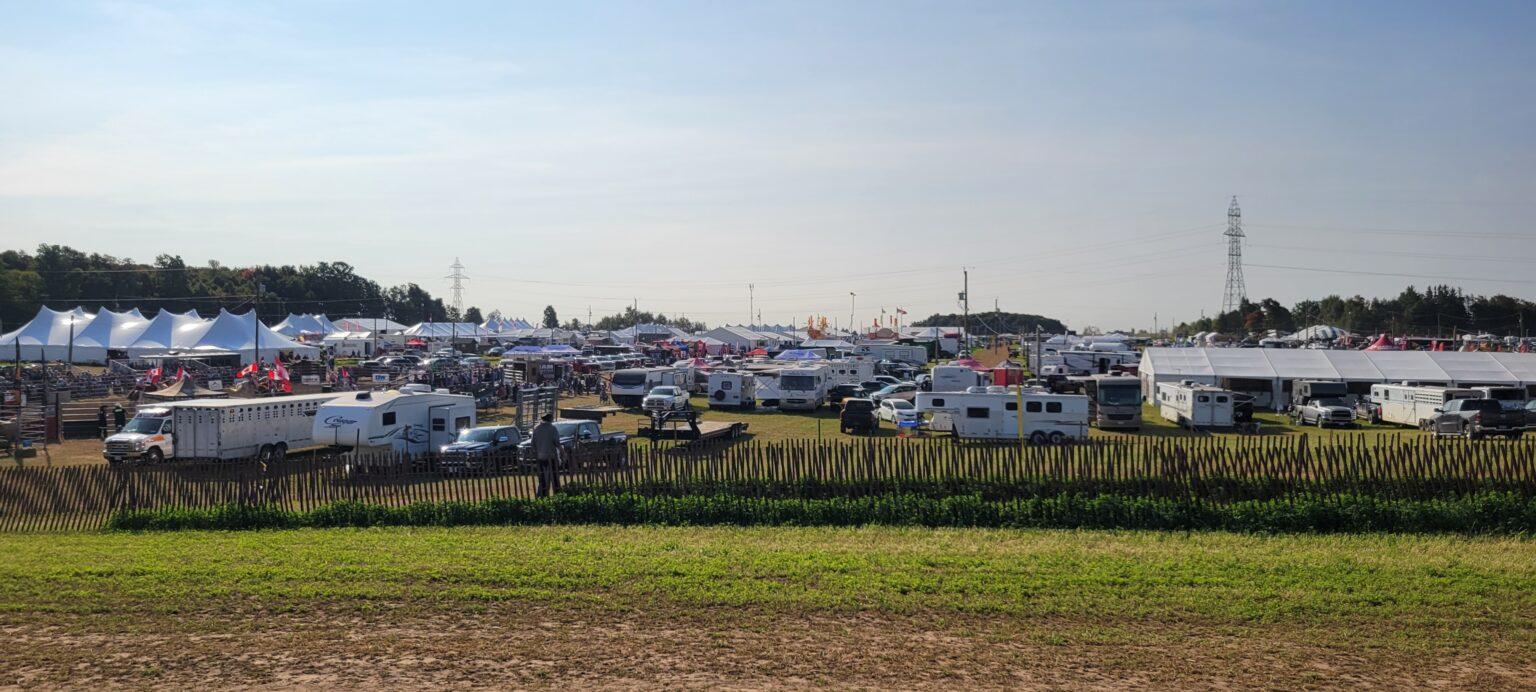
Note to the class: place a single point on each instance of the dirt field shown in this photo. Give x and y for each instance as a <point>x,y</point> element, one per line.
<point>723,607</point>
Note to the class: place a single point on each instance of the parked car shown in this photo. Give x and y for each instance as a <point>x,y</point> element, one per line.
<point>905,390</point>
<point>583,443</point>
<point>845,391</point>
<point>924,382</point>
<point>1474,418</point>
<point>873,386</point>
<point>482,449</point>
<point>897,410</point>
<point>858,416</point>
<point>887,379</point>
<point>667,398</point>
<point>473,360</point>
<point>1323,412</point>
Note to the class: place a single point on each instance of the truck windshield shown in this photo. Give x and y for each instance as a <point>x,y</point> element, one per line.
<point>1330,401</point>
<point>143,426</point>
<point>797,382</point>
<point>1119,396</point>
<point>477,435</point>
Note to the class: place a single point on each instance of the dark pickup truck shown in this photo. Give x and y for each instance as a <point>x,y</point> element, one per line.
<point>480,450</point>
<point>858,416</point>
<point>1474,418</point>
<point>584,445</point>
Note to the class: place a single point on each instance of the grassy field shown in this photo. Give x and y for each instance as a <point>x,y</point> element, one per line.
<point>703,607</point>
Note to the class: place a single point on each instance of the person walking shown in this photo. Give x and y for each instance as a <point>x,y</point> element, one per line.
<point>546,448</point>
<point>119,416</point>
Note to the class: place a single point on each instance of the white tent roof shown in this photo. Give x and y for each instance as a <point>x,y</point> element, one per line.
<point>368,324</point>
<point>295,325</point>
<point>1356,366</point>
<point>242,333</point>
<point>112,329</point>
<point>47,335</point>
<point>168,330</point>
<point>446,330</point>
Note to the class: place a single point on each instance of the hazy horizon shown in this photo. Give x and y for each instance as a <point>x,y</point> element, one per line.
<point>1077,158</point>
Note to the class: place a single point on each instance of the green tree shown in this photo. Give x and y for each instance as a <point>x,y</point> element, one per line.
<point>551,320</point>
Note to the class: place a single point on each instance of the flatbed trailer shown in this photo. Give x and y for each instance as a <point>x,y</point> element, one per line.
<point>685,425</point>
<point>597,413</point>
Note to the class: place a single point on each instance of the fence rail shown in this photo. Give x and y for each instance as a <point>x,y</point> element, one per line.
<point>1205,470</point>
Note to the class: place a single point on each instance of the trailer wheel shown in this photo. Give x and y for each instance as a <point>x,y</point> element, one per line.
<point>264,454</point>
<point>1038,438</point>
<point>280,452</point>
<point>1057,437</point>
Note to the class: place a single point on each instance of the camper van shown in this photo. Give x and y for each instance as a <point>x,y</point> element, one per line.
<point>1115,402</point>
<point>992,413</point>
<point>957,378</point>
<point>415,419</point>
<point>732,389</point>
<point>630,386</point>
<point>803,387</point>
<point>267,428</point>
<point>1196,406</point>
<point>1412,405</point>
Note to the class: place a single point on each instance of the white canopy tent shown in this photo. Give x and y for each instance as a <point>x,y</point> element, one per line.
<point>168,330</point>
<point>295,325</point>
<point>448,330</point>
<point>243,334</point>
<point>110,331</point>
<point>1269,373</point>
<point>368,324</point>
<point>47,336</point>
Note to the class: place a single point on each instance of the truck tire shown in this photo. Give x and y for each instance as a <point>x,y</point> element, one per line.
<point>1057,437</point>
<point>153,456</point>
<point>264,454</point>
<point>280,452</point>
<point>1038,438</point>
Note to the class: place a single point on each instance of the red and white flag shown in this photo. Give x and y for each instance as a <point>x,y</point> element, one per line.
<point>248,370</point>
<point>181,373</point>
<point>152,375</point>
<point>280,374</point>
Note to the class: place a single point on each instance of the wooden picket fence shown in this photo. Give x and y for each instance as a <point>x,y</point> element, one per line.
<point>1208,469</point>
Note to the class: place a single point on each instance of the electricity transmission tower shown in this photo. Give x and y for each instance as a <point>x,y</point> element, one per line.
<point>458,285</point>
<point>1236,293</point>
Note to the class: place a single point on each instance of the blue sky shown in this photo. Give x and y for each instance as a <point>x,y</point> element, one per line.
<point>1077,156</point>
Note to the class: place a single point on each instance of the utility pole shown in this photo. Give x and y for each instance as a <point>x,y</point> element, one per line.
<point>965,325</point>
<point>853,301</point>
<point>751,301</point>
<point>256,326</point>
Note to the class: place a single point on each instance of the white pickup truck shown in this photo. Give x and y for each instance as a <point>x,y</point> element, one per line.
<point>666,399</point>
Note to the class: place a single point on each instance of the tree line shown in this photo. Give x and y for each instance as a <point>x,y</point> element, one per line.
<point>62,277</point>
<point>996,322</point>
<point>1436,311</point>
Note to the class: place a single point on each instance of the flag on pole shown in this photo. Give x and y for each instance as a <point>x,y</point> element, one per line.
<point>248,370</point>
<point>152,375</point>
<point>181,373</point>
<point>280,374</point>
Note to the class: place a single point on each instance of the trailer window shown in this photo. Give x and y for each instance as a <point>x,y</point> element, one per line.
<point>726,385</point>
<point>1221,400</point>
<point>1011,406</point>
<point>1031,407</point>
<point>439,424</point>
<point>389,417</point>
<point>938,402</point>
<point>1053,407</point>
<point>1203,398</point>
<point>978,412</point>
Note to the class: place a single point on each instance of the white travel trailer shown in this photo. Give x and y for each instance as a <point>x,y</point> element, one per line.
<point>804,387</point>
<point>903,353</point>
<point>732,389</point>
<point>1095,362</point>
<point>266,428</point>
<point>851,370</point>
<point>1196,405</point>
<point>1411,405</point>
<point>957,378</point>
<point>1511,398</point>
<point>990,414</point>
<point>412,420</point>
<point>629,387</point>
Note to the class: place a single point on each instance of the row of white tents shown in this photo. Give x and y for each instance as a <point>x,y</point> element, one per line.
<point>82,337</point>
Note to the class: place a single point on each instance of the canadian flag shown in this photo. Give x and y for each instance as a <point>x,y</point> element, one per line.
<point>181,373</point>
<point>152,375</point>
<point>280,374</point>
<point>248,370</point>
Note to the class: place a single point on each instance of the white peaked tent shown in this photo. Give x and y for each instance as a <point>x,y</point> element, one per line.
<point>243,334</point>
<point>168,330</point>
<point>114,331</point>
<point>305,324</point>
<point>368,324</point>
<point>46,337</point>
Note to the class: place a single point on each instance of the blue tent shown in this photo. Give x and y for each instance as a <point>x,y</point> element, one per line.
<point>560,348</point>
<point>799,354</point>
<point>526,349</point>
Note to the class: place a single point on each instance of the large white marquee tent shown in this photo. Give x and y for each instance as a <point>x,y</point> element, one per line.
<point>295,325</point>
<point>110,331</point>
<point>47,336</point>
<point>1267,373</point>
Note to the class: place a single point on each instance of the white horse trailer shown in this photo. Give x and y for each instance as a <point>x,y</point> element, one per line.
<point>902,353</point>
<point>1413,405</point>
<point>1196,405</point>
<point>732,389</point>
<point>413,420</point>
<point>803,387</point>
<point>995,415</point>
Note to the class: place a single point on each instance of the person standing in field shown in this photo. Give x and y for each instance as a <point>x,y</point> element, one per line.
<point>119,416</point>
<point>546,449</point>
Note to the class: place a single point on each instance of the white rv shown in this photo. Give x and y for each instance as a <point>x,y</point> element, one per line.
<point>992,413</point>
<point>732,389</point>
<point>852,370</point>
<point>804,387</point>
<point>957,378</point>
<point>412,420</point>
<point>765,382</point>
<point>266,428</point>
<point>902,353</point>
<point>1412,405</point>
<point>1090,361</point>
<point>1196,405</point>
<point>629,387</point>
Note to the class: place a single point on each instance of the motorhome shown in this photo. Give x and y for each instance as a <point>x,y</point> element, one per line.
<point>985,413</point>
<point>1413,405</point>
<point>803,387</point>
<point>1196,406</point>
<point>414,419</point>
<point>851,370</point>
<point>266,428</point>
<point>732,389</point>
<point>957,378</point>
<point>1115,402</point>
<point>904,353</point>
<point>629,386</point>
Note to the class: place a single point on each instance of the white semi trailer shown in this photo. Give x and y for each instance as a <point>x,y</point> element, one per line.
<point>267,428</point>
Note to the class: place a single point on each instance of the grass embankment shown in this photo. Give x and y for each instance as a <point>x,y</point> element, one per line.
<point>870,606</point>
